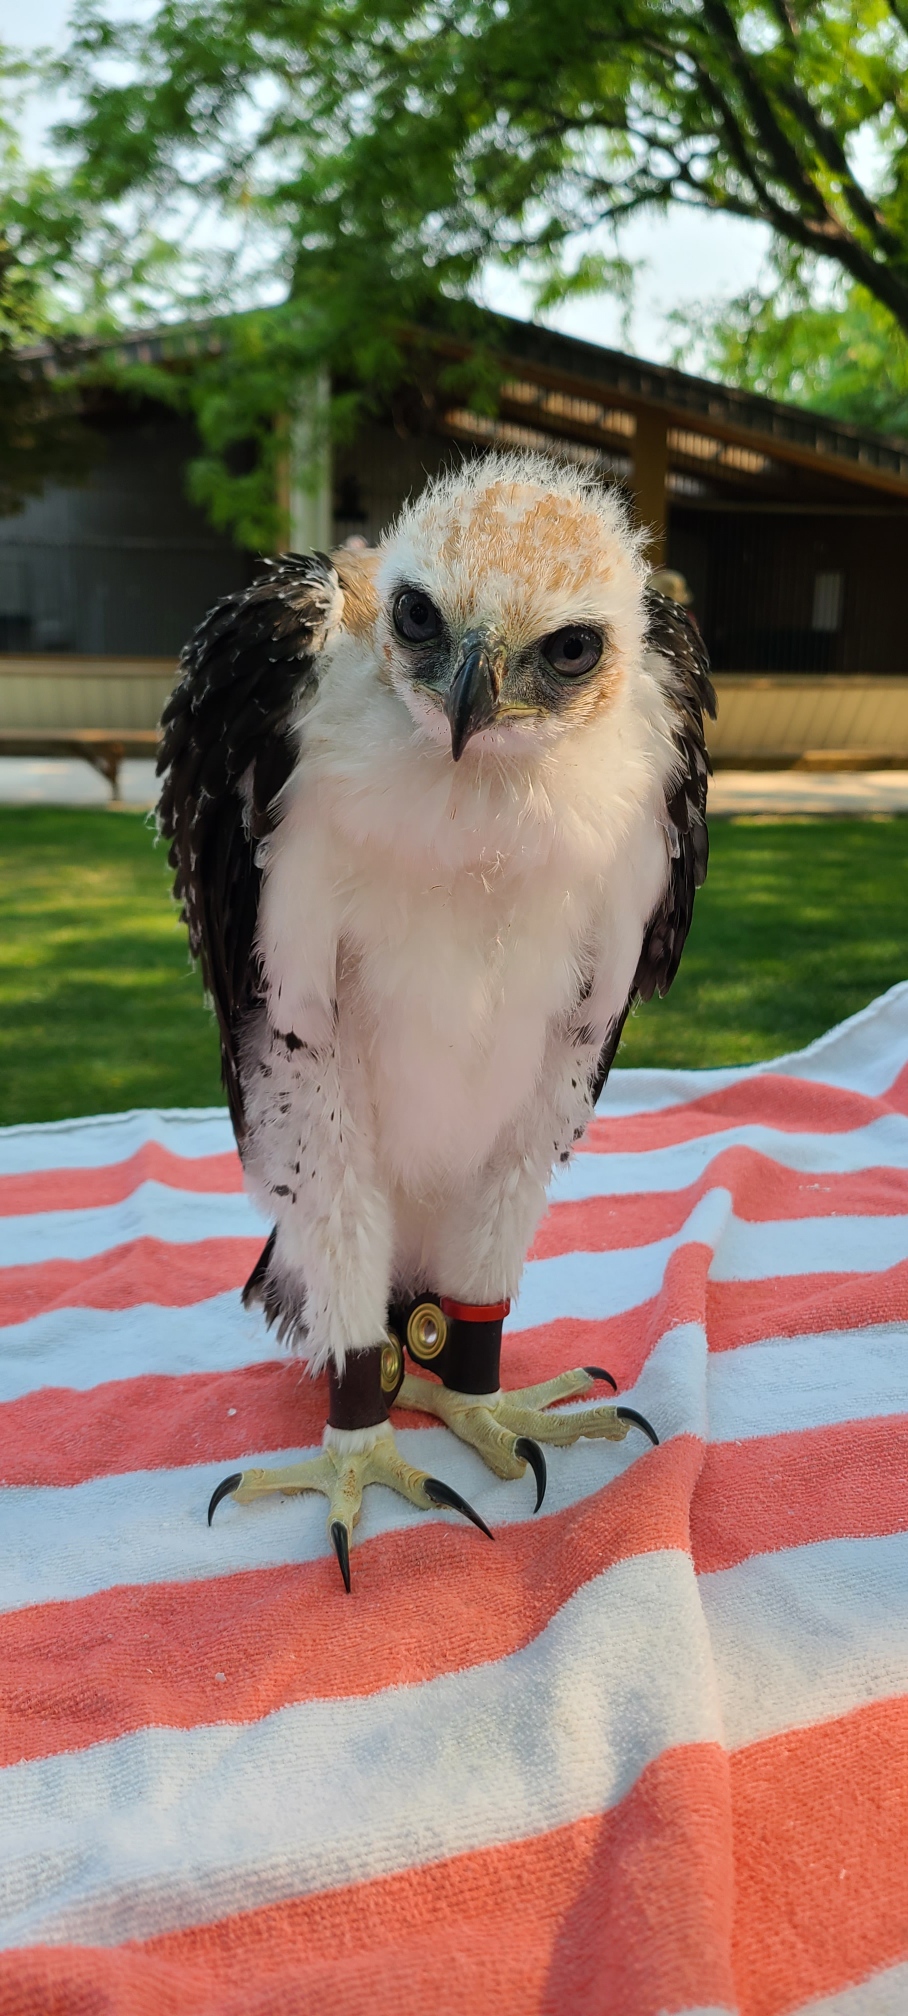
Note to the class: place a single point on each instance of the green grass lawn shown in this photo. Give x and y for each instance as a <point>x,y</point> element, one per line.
<point>799,925</point>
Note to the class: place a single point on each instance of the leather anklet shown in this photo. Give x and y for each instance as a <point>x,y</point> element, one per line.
<point>356,1396</point>
<point>460,1341</point>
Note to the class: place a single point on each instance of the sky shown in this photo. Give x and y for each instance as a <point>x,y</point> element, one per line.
<point>686,257</point>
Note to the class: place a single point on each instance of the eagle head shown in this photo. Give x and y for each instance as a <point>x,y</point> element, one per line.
<point>510,603</point>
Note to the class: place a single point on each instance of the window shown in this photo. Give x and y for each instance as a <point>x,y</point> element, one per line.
<point>828,596</point>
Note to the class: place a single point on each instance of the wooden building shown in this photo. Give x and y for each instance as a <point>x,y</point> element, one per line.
<point>791,530</point>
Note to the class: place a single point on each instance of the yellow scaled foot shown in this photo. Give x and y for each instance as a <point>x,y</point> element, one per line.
<point>507,1428</point>
<point>342,1478</point>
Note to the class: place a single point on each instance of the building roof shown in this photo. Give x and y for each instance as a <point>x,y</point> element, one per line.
<point>719,437</point>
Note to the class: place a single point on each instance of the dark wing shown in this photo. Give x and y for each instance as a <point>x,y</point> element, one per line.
<point>672,634</point>
<point>227,748</point>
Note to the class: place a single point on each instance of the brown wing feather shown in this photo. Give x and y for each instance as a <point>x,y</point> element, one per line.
<point>677,639</point>
<point>227,749</point>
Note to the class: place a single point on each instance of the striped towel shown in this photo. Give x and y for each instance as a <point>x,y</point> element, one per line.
<point>648,1753</point>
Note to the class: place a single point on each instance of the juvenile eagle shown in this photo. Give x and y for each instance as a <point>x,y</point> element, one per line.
<point>436,816</point>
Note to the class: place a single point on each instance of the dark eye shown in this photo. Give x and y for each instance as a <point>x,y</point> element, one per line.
<point>573,651</point>
<point>416,619</point>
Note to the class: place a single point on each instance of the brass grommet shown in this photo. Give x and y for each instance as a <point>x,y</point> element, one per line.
<point>392,1364</point>
<point>426,1332</point>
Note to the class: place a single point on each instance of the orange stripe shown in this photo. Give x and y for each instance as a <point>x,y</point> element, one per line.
<point>56,1436</point>
<point>761,1189</point>
<point>82,1189</point>
<point>781,1491</point>
<point>737,1312</point>
<point>77,1673</point>
<point>625,1911</point>
<point>629,1911</point>
<point>821,1858</point>
<point>744,1312</point>
<point>793,1105</point>
<point>178,1276</point>
<point>142,1270</point>
<point>59,1436</point>
<point>778,1491</point>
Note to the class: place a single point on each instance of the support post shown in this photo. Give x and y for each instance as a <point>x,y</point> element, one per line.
<point>650,468</point>
<point>309,486</point>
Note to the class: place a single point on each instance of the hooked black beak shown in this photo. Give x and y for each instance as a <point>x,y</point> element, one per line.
<point>472,701</point>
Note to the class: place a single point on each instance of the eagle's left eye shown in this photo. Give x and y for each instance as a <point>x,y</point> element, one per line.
<point>573,651</point>
<point>415,617</point>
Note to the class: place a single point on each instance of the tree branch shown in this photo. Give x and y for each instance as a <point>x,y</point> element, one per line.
<point>783,156</point>
<point>830,149</point>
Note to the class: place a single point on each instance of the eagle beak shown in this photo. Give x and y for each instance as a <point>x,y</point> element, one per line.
<point>472,701</point>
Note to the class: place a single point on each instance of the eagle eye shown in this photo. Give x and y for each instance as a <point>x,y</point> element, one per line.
<point>415,617</point>
<point>573,651</point>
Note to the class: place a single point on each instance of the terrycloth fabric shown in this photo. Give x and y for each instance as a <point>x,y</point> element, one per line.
<point>648,1753</point>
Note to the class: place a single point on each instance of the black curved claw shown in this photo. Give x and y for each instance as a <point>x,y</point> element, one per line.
<point>341,1541</point>
<point>596,1372</point>
<point>443,1494</point>
<point>224,1489</point>
<point>532,1454</point>
<point>640,1421</point>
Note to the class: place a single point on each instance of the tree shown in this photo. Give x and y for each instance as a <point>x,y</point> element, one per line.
<point>842,355</point>
<point>366,158</point>
<point>40,433</point>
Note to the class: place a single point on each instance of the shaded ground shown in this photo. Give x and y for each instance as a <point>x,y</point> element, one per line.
<point>799,925</point>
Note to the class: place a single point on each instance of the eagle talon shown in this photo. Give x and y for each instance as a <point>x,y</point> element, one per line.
<point>444,1494</point>
<point>596,1372</point>
<point>341,1541</point>
<point>224,1489</point>
<point>630,1414</point>
<point>532,1454</point>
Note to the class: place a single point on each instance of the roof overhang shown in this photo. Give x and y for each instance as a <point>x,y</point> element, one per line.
<point>568,389</point>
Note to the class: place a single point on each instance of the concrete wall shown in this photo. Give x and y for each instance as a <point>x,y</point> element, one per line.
<point>50,694</point>
<point>761,720</point>
<point>792,716</point>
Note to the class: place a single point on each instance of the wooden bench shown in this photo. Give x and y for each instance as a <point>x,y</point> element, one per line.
<point>104,748</point>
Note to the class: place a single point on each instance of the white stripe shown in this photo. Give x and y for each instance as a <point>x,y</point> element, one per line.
<point>774,1387</point>
<point>641,1172</point>
<point>792,1383</point>
<point>158,1211</point>
<point>113,1137</point>
<point>631,1090</point>
<point>163,1211</point>
<point>769,1388</point>
<point>82,1348</point>
<point>58,1543</point>
<point>883,1994</point>
<point>863,1054</point>
<point>783,1247</point>
<point>169,1827</point>
<point>152,1211</point>
<point>598,1285</point>
<point>808,1634</point>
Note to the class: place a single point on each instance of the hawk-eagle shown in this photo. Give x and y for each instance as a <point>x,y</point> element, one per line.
<point>436,815</point>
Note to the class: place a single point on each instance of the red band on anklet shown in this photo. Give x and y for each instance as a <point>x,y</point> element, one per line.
<point>474,1312</point>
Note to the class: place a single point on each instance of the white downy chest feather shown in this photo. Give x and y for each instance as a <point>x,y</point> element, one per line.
<point>451,915</point>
